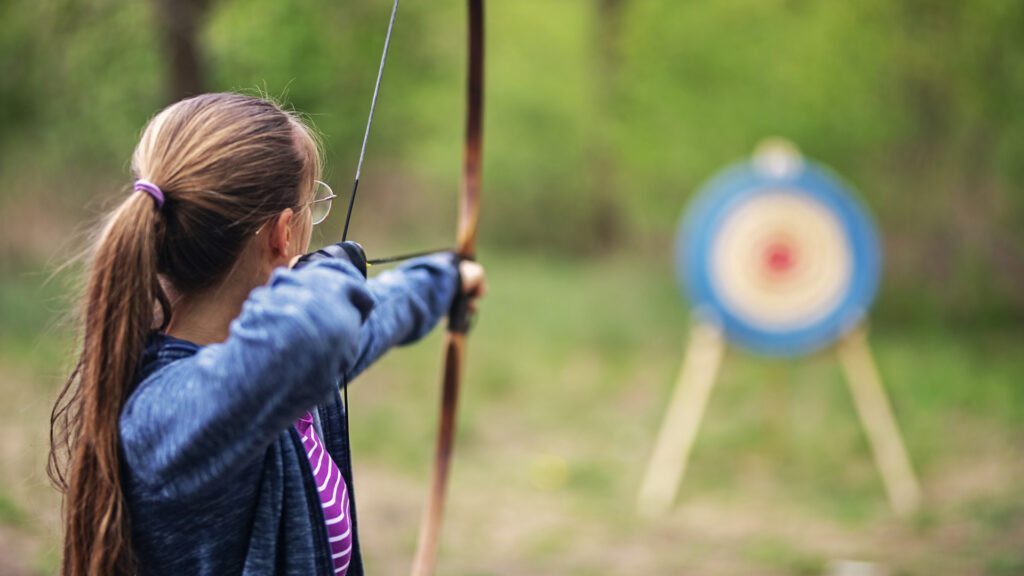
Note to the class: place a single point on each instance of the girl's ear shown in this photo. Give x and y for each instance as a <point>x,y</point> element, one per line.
<point>280,237</point>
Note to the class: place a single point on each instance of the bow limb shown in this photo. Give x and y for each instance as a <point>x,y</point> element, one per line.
<point>469,205</point>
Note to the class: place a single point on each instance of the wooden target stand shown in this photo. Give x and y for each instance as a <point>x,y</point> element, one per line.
<point>781,279</point>
<point>702,358</point>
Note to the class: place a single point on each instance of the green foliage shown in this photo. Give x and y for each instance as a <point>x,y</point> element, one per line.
<point>34,322</point>
<point>600,122</point>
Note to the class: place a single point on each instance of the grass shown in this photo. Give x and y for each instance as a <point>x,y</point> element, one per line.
<point>11,512</point>
<point>568,371</point>
<point>34,346</point>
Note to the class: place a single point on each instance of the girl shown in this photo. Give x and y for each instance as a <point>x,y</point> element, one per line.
<point>202,425</point>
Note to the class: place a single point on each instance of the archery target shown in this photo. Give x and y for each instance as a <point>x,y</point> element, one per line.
<point>780,261</point>
<point>785,262</point>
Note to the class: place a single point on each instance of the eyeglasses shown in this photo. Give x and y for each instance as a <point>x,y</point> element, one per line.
<point>320,206</point>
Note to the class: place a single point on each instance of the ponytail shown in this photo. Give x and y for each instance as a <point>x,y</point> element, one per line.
<point>225,164</point>
<point>122,292</point>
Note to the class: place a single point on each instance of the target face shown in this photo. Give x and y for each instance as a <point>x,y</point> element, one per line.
<point>785,262</point>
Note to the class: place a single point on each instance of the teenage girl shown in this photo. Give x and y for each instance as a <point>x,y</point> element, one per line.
<point>202,431</point>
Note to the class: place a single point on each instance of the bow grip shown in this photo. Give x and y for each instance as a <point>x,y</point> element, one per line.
<point>459,318</point>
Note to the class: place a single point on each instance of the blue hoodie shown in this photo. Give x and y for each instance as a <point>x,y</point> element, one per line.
<point>214,473</point>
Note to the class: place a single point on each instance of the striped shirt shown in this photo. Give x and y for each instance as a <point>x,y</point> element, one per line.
<point>333,495</point>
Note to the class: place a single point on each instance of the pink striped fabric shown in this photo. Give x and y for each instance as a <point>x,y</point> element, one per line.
<point>333,495</point>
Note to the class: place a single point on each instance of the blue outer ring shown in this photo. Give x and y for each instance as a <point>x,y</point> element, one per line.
<point>739,183</point>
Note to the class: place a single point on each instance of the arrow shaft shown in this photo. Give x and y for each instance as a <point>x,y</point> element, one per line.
<point>369,121</point>
<point>389,259</point>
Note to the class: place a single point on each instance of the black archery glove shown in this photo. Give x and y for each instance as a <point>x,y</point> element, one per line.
<point>348,251</point>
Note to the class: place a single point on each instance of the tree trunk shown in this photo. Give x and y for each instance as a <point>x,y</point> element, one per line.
<point>607,209</point>
<point>181,19</point>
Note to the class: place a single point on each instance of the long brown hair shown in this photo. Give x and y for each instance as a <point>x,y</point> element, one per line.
<point>226,164</point>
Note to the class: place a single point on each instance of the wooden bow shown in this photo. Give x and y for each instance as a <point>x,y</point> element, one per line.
<point>458,321</point>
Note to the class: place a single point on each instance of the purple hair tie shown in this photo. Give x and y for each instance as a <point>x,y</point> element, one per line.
<point>151,189</point>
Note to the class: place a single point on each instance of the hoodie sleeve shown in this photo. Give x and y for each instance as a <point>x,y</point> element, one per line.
<point>408,302</point>
<point>191,424</point>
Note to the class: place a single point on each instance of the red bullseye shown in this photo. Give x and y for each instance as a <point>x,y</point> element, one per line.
<point>779,258</point>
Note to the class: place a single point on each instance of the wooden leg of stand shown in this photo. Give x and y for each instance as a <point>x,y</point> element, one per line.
<point>679,430</point>
<point>876,416</point>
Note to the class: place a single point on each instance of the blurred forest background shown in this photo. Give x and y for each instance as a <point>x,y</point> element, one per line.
<point>602,118</point>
